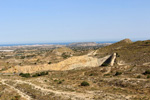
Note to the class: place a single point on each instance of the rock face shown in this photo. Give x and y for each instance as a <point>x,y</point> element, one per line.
<point>113,58</point>
<point>110,61</point>
<point>68,64</point>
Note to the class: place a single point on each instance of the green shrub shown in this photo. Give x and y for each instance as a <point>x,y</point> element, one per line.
<point>35,75</point>
<point>59,82</point>
<point>55,80</point>
<point>148,76</point>
<point>146,72</point>
<point>117,55</point>
<point>91,74</point>
<point>16,98</point>
<point>106,74</point>
<point>40,74</point>
<point>139,76</point>
<point>146,42</point>
<point>49,62</point>
<point>45,80</point>
<point>65,55</point>
<point>84,83</point>
<point>26,75</point>
<point>118,73</point>
<point>22,57</point>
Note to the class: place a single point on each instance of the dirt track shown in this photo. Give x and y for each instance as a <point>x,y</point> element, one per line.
<point>72,95</point>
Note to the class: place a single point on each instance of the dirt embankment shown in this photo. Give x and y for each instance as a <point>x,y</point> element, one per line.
<point>68,64</point>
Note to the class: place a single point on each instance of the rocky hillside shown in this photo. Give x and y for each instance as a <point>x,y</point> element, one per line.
<point>120,71</point>
<point>68,64</point>
<point>124,52</point>
<point>60,51</point>
<point>128,52</point>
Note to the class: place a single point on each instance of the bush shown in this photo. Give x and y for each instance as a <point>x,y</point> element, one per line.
<point>148,76</point>
<point>59,82</point>
<point>16,98</point>
<point>146,42</point>
<point>35,75</point>
<point>118,73</point>
<point>45,80</point>
<point>40,74</point>
<point>65,55</point>
<point>139,76</point>
<point>55,80</point>
<point>146,72</point>
<point>84,83</point>
<point>117,55</point>
<point>91,74</point>
<point>26,75</point>
<point>44,73</point>
<point>106,74</point>
<point>49,62</point>
<point>22,57</point>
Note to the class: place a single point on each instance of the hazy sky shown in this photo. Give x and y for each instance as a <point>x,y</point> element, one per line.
<point>24,21</point>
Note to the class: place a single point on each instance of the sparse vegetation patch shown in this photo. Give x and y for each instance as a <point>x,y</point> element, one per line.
<point>84,83</point>
<point>40,74</point>
<point>146,72</point>
<point>118,73</point>
<point>26,75</point>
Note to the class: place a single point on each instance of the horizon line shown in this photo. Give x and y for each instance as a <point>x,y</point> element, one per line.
<point>61,42</point>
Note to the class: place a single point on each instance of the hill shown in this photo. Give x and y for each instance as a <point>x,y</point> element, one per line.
<point>86,44</point>
<point>120,71</point>
<point>128,52</point>
<point>83,44</point>
<point>68,64</point>
<point>60,51</point>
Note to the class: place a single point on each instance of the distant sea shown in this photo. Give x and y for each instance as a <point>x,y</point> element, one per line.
<point>64,43</point>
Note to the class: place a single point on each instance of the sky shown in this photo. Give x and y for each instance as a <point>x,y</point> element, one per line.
<point>37,21</point>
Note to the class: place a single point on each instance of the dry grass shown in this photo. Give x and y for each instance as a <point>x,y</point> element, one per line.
<point>135,53</point>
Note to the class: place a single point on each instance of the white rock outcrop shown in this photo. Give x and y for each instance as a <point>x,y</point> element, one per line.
<point>113,58</point>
